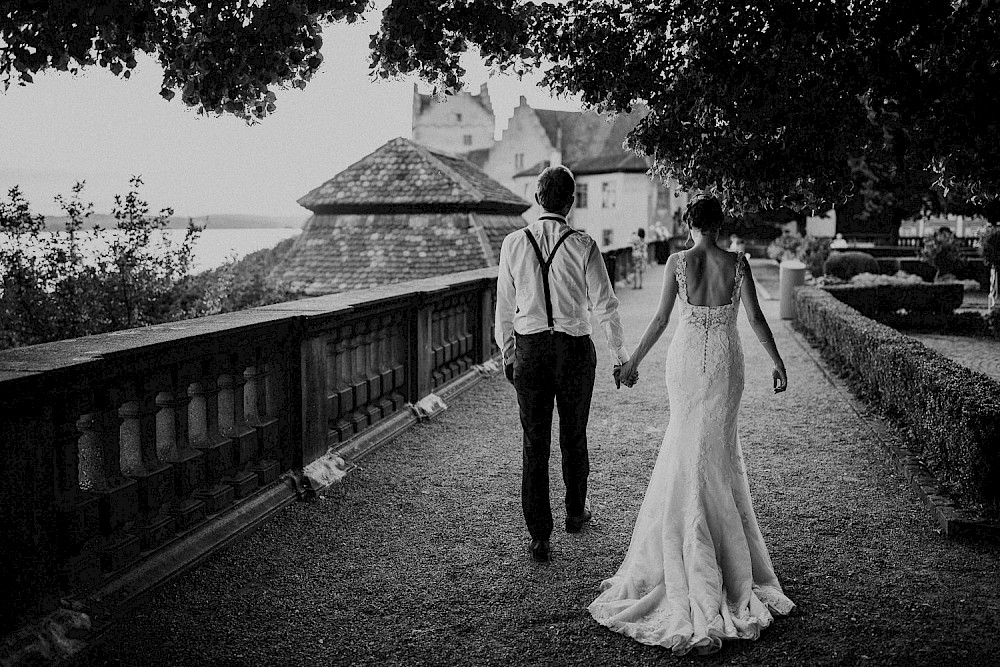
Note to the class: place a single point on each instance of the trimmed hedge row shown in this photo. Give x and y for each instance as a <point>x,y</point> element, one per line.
<point>953,412</point>
<point>875,300</point>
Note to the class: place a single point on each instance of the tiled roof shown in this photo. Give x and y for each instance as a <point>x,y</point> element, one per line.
<point>477,157</point>
<point>345,251</point>
<point>585,134</point>
<point>403,175</point>
<point>496,229</point>
<point>610,163</point>
<point>590,144</point>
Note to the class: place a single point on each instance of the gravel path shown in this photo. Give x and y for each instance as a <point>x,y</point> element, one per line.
<point>978,353</point>
<point>420,557</point>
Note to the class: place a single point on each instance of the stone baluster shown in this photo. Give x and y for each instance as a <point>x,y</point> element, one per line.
<point>204,436</point>
<point>139,461</point>
<point>77,509</point>
<point>398,356</point>
<point>101,473</point>
<point>275,385</point>
<point>341,391</point>
<point>174,447</point>
<point>233,425</point>
<point>384,365</point>
<point>437,349</point>
<point>372,377</point>
<point>266,467</point>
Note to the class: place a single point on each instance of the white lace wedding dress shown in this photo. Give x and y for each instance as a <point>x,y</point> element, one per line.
<point>697,570</point>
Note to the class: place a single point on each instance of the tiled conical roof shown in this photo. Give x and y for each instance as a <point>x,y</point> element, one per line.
<point>403,176</point>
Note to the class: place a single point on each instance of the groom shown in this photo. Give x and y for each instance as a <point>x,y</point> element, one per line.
<point>551,280</point>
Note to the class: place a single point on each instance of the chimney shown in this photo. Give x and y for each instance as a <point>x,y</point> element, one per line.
<point>415,112</point>
<point>556,156</point>
<point>484,97</point>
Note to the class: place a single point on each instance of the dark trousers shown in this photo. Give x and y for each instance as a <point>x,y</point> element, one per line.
<point>553,368</point>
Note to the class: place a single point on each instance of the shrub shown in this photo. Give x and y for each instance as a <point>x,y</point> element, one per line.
<point>878,300</point>
<point>845,265</point>
<point>989,245</point>
<point>784,247</point>
<point>952,411</point>
<point>941,252</point>
<point>813,252</point>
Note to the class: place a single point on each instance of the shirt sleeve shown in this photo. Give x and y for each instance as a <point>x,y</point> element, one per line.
<point>503,320</point>
<point>604,304</point>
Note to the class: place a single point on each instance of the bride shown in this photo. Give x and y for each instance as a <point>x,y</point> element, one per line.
<point>697,570</point>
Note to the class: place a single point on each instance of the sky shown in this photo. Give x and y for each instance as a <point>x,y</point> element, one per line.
<point>103,129</point>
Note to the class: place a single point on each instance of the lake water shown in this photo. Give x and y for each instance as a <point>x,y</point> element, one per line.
<point>215,247</point>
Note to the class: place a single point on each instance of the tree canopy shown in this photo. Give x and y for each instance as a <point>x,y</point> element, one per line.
<point>802,103</point>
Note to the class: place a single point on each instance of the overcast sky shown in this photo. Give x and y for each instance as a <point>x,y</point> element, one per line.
<point>103,129</point>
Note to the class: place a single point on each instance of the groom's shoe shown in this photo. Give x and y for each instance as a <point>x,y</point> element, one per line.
<point>575,523</point>
<point>540,550</point>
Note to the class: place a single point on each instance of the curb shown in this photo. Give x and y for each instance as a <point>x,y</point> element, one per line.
<point>953,521</point>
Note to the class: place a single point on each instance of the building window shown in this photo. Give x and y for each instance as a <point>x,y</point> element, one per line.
<point>607,236</point>
<point>581,195</point>
<point>518,161</point>
<point>467,139</point>
<point>458,118</point>
<point>607,195</point>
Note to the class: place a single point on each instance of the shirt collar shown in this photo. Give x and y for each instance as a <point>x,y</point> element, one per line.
<point>552,216</point>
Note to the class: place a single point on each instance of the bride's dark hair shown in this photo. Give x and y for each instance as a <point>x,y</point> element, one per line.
<point>704,213</point>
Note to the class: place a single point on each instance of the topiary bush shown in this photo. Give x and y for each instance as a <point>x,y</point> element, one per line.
<point>925,304</point>
<point>813,252</point>
<point>989,245</point>
<point>952,411</point>
<point>784,247</point>
<point>845,265</point>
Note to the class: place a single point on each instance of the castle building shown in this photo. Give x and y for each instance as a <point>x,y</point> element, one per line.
<point>615,195</point>
<point>462,124</point>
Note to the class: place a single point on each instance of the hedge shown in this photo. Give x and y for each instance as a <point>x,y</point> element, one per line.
<point>876,300</point>
<point>849,263</point>
<point>953,412</point>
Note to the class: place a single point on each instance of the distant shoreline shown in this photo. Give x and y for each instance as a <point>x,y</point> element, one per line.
<point>220,221</point>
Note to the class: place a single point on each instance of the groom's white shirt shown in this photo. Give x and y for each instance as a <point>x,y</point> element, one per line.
<point>578,282</point>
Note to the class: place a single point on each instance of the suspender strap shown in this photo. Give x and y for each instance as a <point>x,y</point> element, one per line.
<point>545,264</point>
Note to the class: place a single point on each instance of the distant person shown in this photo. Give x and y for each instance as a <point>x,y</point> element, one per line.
<point>640,255</point>
<point>736,245</point>
<point>838,242</point>
<point>551,281</point>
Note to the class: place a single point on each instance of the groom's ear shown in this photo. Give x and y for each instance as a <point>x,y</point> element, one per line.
<point>537,200</point>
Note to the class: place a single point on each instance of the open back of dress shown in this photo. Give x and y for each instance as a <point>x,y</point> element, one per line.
<point>697,570</point>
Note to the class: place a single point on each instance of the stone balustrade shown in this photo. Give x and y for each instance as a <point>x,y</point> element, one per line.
<point>118,445</point>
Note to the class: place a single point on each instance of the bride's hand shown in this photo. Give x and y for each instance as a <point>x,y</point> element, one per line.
<point>629,373</point>
<point>780,379</point>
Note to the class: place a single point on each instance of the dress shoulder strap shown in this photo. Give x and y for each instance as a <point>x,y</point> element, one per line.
<point>740,273</point>
<point>681,274</point>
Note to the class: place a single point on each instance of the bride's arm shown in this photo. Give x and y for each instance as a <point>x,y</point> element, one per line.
<point>656,327</point>
<point>760,327</point>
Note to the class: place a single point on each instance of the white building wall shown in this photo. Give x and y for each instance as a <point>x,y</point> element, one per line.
<point>458,124</point>
<point>523,144</point>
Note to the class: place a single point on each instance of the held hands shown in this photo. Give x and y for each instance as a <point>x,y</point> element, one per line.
<point>627,374</point>
<point>508,372</point>
<point>780,379</point>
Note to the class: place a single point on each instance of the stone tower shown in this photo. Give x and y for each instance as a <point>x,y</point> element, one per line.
<point>459,124</point>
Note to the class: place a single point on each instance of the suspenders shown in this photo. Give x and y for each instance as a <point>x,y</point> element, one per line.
<point>545,264</point>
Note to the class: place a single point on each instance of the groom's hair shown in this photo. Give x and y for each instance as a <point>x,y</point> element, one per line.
<point>556,188</point>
